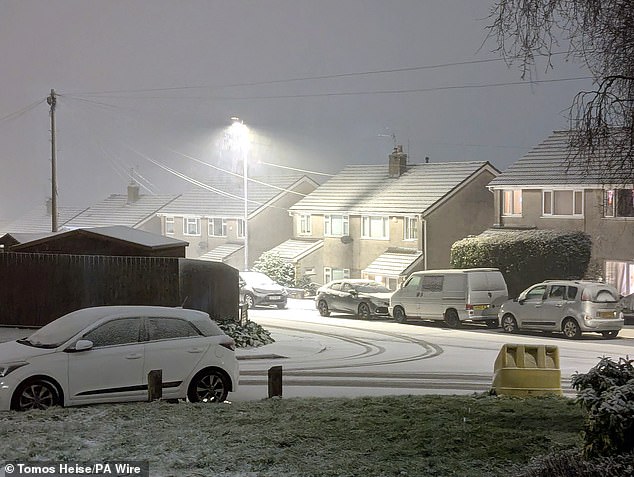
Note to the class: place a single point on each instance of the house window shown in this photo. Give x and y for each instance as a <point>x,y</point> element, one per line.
<point>191,226</point>
<point>411,228</point>
<point>331,274</point>
<point>335,225</point>
<point>562,202</point>
<point>619,203</point>
<point>169,225</point>
<point>512,202</point>
<point>375,227</point>
<point>305,224</point>
<point>217,227</point>
<point>241,229</point>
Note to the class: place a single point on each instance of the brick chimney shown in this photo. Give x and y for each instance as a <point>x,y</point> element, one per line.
<point>133,192</point>
<point>398,162</point>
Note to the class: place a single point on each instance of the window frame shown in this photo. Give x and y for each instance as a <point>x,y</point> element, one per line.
<point>329,274</point>
<point>367,227</point>
<point>410,224</point>
<point>186,223</point>
<point>551,202</point>
<point>614,208</point>
<point>211,227</point>
<point>345,225</point>
<point>170,225</point>
<point>240,228</point>
<point>305,225</point>
<point>516,197</point>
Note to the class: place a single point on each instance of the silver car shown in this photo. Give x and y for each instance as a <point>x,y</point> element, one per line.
<point>572,307</point>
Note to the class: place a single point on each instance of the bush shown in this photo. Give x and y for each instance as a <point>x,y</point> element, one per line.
<point>273,266</point>
<point>606,393</point>
<point>526,257</point>
<point>248,335</point>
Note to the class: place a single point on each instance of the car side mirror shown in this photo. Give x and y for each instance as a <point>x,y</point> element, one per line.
<point>521,301</point>
<point>353,292</point>
<point>81,345</point>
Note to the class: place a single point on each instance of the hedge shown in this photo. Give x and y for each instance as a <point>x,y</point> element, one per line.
<point>526,257</point>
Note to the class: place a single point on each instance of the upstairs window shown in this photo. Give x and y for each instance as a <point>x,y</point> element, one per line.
<point>305,224</point>
<point>169,225</point>
<point>191,226</point>
<point>217,227</point>
<point>619,203</point>
<point>336,225</point>
<point>376,227</point>
<point>562,203</point>
<point>512,202</point>
<point>410,228</point>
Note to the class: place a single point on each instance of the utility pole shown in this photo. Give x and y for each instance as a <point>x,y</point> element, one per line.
<point>52,101</point>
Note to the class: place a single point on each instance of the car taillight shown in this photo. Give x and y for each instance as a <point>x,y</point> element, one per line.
<point>229,344</point>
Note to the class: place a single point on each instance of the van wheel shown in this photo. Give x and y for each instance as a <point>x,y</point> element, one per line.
<point>452,319</point>
<point>399,315</point>
<point>571,329</point>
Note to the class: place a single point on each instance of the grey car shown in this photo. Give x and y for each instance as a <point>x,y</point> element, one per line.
<point>363,298</point>
<point>571,307</point>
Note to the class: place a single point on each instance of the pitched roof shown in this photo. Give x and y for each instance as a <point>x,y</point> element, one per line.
<point>394,263</point>
<point>117,232</point>
<point>118,210</point>
<point>296,249</point>
<point>227,198</point>
<point>221,252</point>
<point>546,165</point>
<point>38,220</point>
<point>369,189</point>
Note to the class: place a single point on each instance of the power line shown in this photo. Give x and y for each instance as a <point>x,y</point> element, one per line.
<point>20,112</point>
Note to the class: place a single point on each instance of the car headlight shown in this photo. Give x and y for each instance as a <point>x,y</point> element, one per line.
<point>6,368</point>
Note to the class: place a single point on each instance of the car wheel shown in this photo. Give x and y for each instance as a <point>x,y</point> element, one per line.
<point>399,315</point>
<point>492,324</point>
<point>208,386</point>
<point>322,306</point>
<point>36,394</point>
<point>509,324</point>
<point>364,311</point>
<point>571,329</point>
<point>452,319</point>
<point>249,300</point>
<point>610,335</point>
<point>281,306</point>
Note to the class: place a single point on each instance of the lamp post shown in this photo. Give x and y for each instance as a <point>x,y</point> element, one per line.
<point>240,138</point>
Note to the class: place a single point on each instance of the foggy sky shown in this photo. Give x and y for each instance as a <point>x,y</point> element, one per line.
<point>160,79</point>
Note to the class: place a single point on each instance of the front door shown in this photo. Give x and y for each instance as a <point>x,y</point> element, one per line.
<point>531,307</point>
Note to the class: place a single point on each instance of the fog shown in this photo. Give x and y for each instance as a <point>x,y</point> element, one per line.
<point>319,84</point>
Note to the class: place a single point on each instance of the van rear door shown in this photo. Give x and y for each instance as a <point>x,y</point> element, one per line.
<point>487,291</point>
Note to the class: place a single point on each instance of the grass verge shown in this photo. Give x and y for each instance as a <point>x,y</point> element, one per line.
<point>385,436</point>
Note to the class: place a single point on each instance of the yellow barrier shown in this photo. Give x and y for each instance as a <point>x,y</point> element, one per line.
<point>527,370</point>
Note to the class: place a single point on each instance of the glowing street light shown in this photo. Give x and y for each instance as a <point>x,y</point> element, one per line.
<point>239,135</point>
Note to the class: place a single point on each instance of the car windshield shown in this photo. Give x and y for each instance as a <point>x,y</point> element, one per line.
<point>255,279</point>
<point>371,288</point>
<point>61,330</point>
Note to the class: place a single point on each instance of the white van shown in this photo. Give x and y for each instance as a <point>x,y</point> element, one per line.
<point>472,294</point>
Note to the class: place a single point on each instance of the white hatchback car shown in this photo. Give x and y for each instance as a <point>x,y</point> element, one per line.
<point>104,354</point>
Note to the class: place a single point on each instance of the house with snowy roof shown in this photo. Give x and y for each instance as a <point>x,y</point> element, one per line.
<point>385,221</point>
<point>546,190</point>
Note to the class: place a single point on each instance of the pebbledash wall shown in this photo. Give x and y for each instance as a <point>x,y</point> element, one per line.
<point>35,288</point>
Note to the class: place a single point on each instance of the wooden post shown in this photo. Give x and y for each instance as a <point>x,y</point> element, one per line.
<point>155,385</point>
<point>275,381</point>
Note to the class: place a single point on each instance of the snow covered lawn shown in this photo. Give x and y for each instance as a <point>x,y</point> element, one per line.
<point>386,436</point>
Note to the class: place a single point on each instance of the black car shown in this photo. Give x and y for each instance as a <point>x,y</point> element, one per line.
<point>364,298</point>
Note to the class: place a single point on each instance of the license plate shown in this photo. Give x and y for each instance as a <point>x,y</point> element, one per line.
<point>480,307</point>
<point>275,297</point>
<point>607,314</point>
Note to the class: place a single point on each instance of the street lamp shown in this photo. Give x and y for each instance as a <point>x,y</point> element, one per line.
<point>240,139</point>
